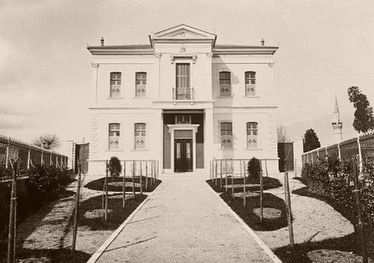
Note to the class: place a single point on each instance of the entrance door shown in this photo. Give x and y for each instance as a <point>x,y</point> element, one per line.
<point>183,155</point>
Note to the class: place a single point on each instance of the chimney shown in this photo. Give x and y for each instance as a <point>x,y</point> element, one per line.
<point>102,41</point>
<point>262,42</point>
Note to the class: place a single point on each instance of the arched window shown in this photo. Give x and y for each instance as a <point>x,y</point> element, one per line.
<point>140,84</point>
<point>115,84</point>
<point>226,135</point>
<point>140,135</point>
<point>114,135</point>
<point>252,134</point>
<point>225,84</point>
<point>250,83</point>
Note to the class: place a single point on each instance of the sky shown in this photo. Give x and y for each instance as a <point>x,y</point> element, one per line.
<point>45,69</point>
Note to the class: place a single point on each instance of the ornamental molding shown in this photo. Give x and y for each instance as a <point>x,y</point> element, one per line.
<point>158,55</point>
<point>192,57</point>
<point>271,65</point>
<point>95,65</point>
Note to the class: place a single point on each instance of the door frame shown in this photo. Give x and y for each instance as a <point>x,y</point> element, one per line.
<point>183,152</point>
<point>191,127</point>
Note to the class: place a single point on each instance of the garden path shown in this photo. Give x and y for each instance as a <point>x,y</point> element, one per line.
<point>184,221</point>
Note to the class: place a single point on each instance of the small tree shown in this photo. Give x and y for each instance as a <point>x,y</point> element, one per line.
<point>254,170</point>
<point>310,141</point>
<point>364,120</point>
<point>47,141</point>
<point>115,167</point>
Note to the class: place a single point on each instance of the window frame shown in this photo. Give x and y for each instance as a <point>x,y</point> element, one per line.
<point>114,84</point>
<point>226,134</point>
<point>250,88</point>
<point>227,86</point>
<point>142,135</point>
<point>117,136</point>
<point>252,134</point>
<point>142,85</point>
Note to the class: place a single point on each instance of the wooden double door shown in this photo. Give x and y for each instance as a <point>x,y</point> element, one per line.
<point>183,155</point>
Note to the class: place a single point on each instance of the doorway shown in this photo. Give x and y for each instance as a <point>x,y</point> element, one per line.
<point>183,160</point>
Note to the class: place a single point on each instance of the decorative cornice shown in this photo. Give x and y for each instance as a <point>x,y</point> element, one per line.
<point>173,57</point>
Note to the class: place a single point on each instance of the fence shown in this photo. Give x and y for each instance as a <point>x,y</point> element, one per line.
<point>362,146</point>
<point>27,154</point>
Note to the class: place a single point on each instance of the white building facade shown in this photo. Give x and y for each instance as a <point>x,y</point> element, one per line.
<point>182,100</point>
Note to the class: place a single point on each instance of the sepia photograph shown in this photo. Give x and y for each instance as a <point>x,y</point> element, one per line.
<point>186,131</point>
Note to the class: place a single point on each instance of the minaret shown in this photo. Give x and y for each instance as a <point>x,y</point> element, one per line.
<point>337,125</point>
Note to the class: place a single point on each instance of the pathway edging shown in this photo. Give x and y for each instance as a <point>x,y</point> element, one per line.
<point>95,256</point>
<point>258,240</point>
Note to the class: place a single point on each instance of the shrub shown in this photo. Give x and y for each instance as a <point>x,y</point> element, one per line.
<point>254,170</point>
<point>115,167</point>
<point>46,182</point>
<point>333,178</point>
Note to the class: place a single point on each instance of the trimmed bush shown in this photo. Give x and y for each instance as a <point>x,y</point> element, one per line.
<point>254,170</point>
<point>115,167</point>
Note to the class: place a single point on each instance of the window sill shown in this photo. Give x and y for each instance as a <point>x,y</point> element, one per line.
<point>140,98</point>
<point>115,98</point>
<point>225,97</point>
<point>226,150</point>
<point>140,150</point>
<point>114,150</point>
<point>251,97</point>
<point>253,149</point>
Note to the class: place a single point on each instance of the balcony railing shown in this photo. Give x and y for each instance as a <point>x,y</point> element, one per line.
<point>185,93</point>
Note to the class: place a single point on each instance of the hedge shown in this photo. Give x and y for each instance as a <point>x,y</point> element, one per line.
<point>333,178</point>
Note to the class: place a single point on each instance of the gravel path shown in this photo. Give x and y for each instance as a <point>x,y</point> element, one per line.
<point>52,221</point>
<point>184,221</point>
<point>310,216</point>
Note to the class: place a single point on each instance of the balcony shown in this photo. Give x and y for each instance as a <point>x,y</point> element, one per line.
<point>185,93</point>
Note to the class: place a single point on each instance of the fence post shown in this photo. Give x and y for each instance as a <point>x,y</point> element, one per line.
<point>244,183</point>
<point>124,185</point>
<point>261,195</point>
<point>339,152</point>
<point>288,208</point>
<point>146,175</point>
<point>76,210</point>
<point>28,158</point>
<point>7,156</point>
<point>141,177</point>
<point>133,179</point>
<point>358,206</point>
<point>12,217</point>
<point>106,191</point>
<point>359,154</point>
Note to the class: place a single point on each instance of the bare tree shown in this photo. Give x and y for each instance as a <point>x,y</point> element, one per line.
<point>282,134</point>
<point>47,141</point>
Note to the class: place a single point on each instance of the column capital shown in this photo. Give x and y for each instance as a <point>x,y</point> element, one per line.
<point>95,65</point>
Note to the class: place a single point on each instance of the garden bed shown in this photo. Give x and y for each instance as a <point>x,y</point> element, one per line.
<point>47,235</point>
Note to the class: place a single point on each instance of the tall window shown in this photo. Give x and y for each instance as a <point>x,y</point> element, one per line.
<point>140,133</point>
<point>224,83</point>
<point>114,135</point>
<point>250,83</point>
<point>226,135</point>
<point>252,134</point>
<point>183,89</point>
<point>115,84</point>
<point>140,84</point>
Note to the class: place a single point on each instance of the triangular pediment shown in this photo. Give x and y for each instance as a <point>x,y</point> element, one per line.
<point>181,32</point>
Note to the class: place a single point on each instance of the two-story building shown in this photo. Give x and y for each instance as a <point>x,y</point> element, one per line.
<point>182,99</point>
